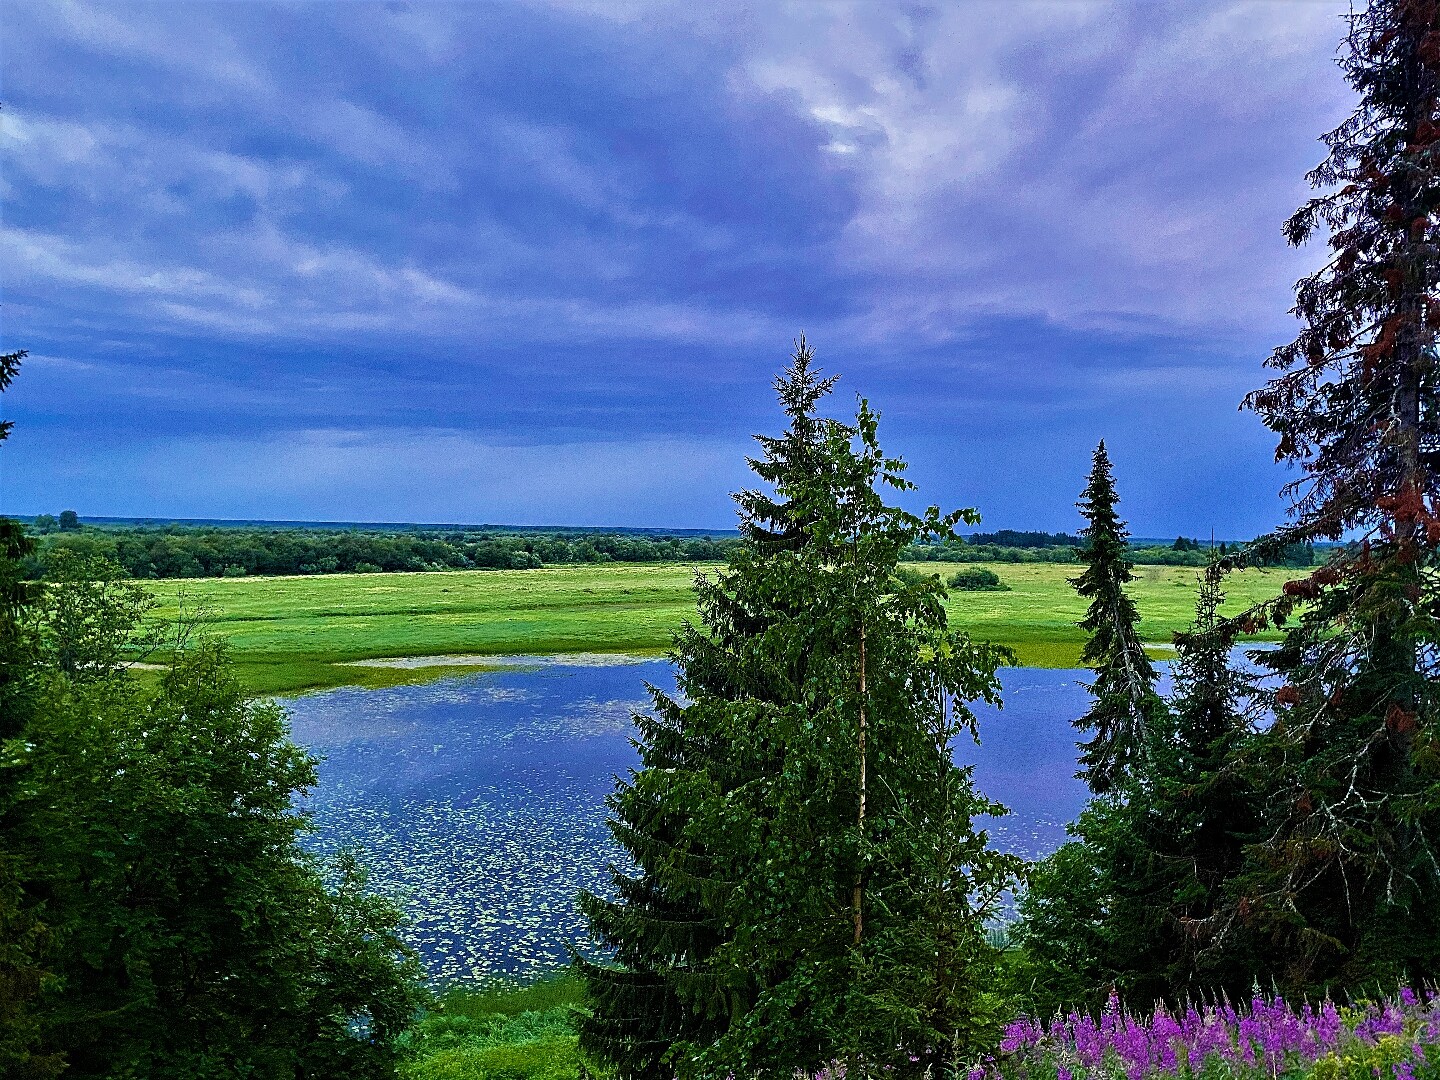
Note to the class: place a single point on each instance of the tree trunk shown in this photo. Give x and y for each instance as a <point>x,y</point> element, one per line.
<point>859,897</point>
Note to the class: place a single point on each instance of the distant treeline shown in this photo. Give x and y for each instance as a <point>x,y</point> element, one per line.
<point>1016,539</point>
<point>1182,552</point>
<point>190,552</point>
<point>177,552</point>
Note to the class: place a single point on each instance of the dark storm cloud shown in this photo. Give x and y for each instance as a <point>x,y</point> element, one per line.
<point>460,248</point>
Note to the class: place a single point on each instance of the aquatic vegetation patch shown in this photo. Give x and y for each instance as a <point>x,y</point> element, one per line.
<point>478,802</point>
<point>489,889</point>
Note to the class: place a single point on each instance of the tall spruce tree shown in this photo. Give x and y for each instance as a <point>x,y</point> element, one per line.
<point>1207,805</point>
<point>1127,905</point>
<point>808,882</point>
<point>1175,837</point>
<point>1344,876</point>
<point>1125,705</point>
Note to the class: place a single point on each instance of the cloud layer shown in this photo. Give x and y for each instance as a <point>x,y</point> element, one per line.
<point>1015,227</point>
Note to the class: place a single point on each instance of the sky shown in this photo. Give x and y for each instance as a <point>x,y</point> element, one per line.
<point>538,263</point>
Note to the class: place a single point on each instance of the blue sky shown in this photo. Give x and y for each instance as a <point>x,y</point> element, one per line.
<point>537,262</point>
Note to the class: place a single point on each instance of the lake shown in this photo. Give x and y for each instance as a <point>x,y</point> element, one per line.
<point>479,800</point>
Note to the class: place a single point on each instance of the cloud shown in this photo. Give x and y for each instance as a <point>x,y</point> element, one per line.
<point>1084,163</point>
<point>564,222</point>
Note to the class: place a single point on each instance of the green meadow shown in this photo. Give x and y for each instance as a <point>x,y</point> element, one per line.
<point>290,634</point>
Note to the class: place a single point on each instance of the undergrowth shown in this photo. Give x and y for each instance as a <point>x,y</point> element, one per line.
<point>504,1032</point>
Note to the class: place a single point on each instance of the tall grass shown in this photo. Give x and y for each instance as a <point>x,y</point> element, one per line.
<point>504,1032</point>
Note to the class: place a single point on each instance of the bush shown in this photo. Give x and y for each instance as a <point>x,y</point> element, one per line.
<point>976,579</point>
<point>907,576</point>
<point>192,934</point>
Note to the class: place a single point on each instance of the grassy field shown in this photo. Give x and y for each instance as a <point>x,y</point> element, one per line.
<point>296,633</point>
<point>1038,616</point>
<point>500,1033</point>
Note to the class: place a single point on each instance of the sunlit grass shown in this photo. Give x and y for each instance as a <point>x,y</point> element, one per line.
<point>295,633</point>
<point>503,1032</point>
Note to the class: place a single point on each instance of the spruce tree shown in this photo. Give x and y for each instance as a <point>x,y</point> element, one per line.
<point>1210,807</point>
<point>808,882</point>
<point>1344,876</point>
<point>1130,903</point>
<point>1176,837</point>
<point>1125,704</point>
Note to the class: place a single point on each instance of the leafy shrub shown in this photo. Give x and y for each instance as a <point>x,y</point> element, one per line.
<point>914,577</point>
<point>193,934</point>
<point>976,579</point>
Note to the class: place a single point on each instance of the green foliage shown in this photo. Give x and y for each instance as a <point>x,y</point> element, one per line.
<point>1013,538</point>
<point>1193,554</point>
<point>1342,881</point>
<point>88,615</point>
<point>69,521</point>
<point>1180,837</point>
<point>1125,707</point>
<point>907,576</point>
<point>9,368</point>
<point>969,552</point>
<point>1058,937</point>
<point>196,552</point>
<point>24,934</point>
<point>1306,852</point>
<point>976,579</point>
<point>1131,904</point>
<point>810,885</point>
<point>558,993</point>
<point>192,936</point>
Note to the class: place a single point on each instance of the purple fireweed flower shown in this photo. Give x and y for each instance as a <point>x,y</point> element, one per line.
<point>1266,1034</point>
<point>1020,1035</point>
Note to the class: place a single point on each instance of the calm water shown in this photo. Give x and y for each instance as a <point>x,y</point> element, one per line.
<point>480,800</point>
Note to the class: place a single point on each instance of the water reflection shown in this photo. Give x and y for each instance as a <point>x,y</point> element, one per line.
<point>480,799</point>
